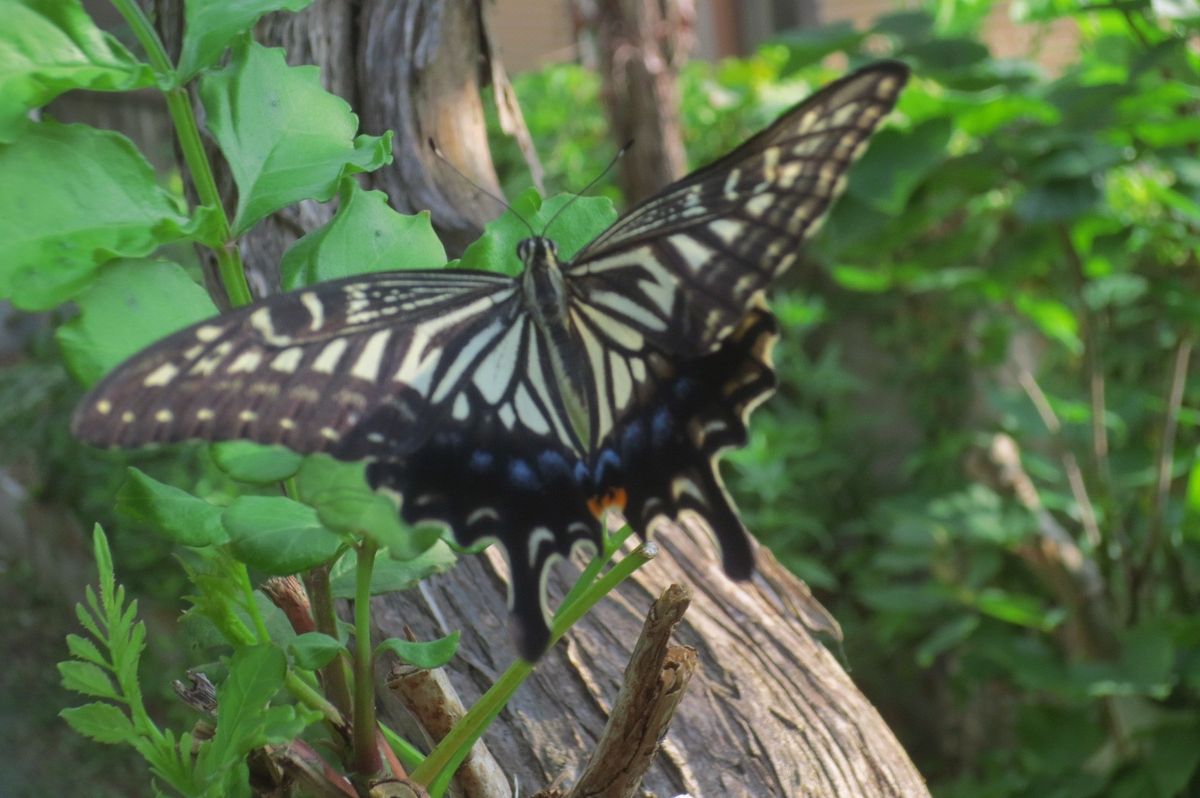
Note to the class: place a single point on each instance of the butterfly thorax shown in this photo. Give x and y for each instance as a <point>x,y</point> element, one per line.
<point>545,295</point>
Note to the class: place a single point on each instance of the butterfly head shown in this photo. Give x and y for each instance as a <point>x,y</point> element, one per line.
<point>537,251</point>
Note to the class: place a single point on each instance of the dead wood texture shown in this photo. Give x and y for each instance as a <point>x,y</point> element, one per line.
<point>769,712</point>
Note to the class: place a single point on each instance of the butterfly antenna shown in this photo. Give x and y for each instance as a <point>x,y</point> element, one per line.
<point>441,157</point>
<point>586,188</point>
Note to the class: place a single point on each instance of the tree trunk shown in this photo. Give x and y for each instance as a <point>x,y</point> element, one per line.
<point>641,45</point>
<point>770,712</point>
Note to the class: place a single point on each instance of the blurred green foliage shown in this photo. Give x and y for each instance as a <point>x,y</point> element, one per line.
<point>983,454</point>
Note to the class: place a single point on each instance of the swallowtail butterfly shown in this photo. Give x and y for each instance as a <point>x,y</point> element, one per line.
<point>520,409</point>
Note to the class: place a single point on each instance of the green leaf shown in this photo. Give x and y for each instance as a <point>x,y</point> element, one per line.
<point>131,305</point>
<point>896,162</point>
<point>86,678</point>
<point>1053,318</point>
<point>345,503</point>
<point>244,721</point>
<point>496,249</point>
<point>431,654</point>
<point>48,47</point>
<point>210,25</point>
<point>365,236</point>
<point>255,463</point>
<point>103,723</point>
<point>285,137</point>
<point>85,649</point>
<point>946,637</point>
<point>1017,609</point>
<point>75,197</point>
<point>858,278</point>
<point>390,574</point>
<point>170,511</point>
<point>313,650</point>
<point>277,535</point>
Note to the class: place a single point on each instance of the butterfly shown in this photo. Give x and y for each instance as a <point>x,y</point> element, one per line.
<point>520,409</point>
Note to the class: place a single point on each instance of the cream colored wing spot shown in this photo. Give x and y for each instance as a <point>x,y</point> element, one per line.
<point>205,414</point>
<point>104,407</point>
<point>161,375</point>
<point>287,423</point>
<point>208,333</point>
<point>247,415</point>
<point>327,361</point>
<point>128,417</point>
<point>164,416</point>
<point>315,309</point>
<point>329,433</point>
<point>246,361</point>
<point>368,363</point>
<point>288,360</point>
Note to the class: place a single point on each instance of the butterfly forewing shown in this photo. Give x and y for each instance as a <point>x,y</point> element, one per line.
<point>687,262</point>
<point>305,369</point>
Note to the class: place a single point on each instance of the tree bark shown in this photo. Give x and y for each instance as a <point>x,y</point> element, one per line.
<point>769,712</point>
<point>641,46</point>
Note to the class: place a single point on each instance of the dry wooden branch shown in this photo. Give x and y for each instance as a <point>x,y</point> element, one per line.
<point>655,680</point>
<point>436,706</point>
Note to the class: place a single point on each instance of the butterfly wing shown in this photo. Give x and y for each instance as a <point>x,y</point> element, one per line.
<point>439,378</point>
<point>684,266</point>
<point>306,369</point>
<point>668,305</point>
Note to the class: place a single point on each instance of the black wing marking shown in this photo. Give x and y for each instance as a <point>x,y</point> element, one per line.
<point>683,267</point>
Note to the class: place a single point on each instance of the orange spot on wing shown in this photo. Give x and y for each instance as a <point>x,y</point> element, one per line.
<point>613,497</point>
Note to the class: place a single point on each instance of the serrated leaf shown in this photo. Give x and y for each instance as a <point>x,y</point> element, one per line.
<point>170,511</point>
<point>74,198</point>
<point>131,304</point>
<point>313,650</point>
<point>103,723</point>
<point>85,649</point>
<point>48,47</point>
<point>255,675</point>
<point>210,25</point>
<point>345,503</point>
<point>255,463</point>
<point>365,236</point>
<point>86,678</point>
<point>496,249</point>
<point>285,138</point>
<point>278,536</point>
<point>430,654</point>
<point>390,574</point>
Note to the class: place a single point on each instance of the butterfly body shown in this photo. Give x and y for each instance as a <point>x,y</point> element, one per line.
<point>520,409</point>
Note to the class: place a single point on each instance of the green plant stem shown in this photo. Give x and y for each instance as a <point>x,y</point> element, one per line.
<point>179,105</point>
<point>439,766</point>
<point>405,751</point>
<point>366,754</point>
<point>612,544</point>
<point>305,694</point>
